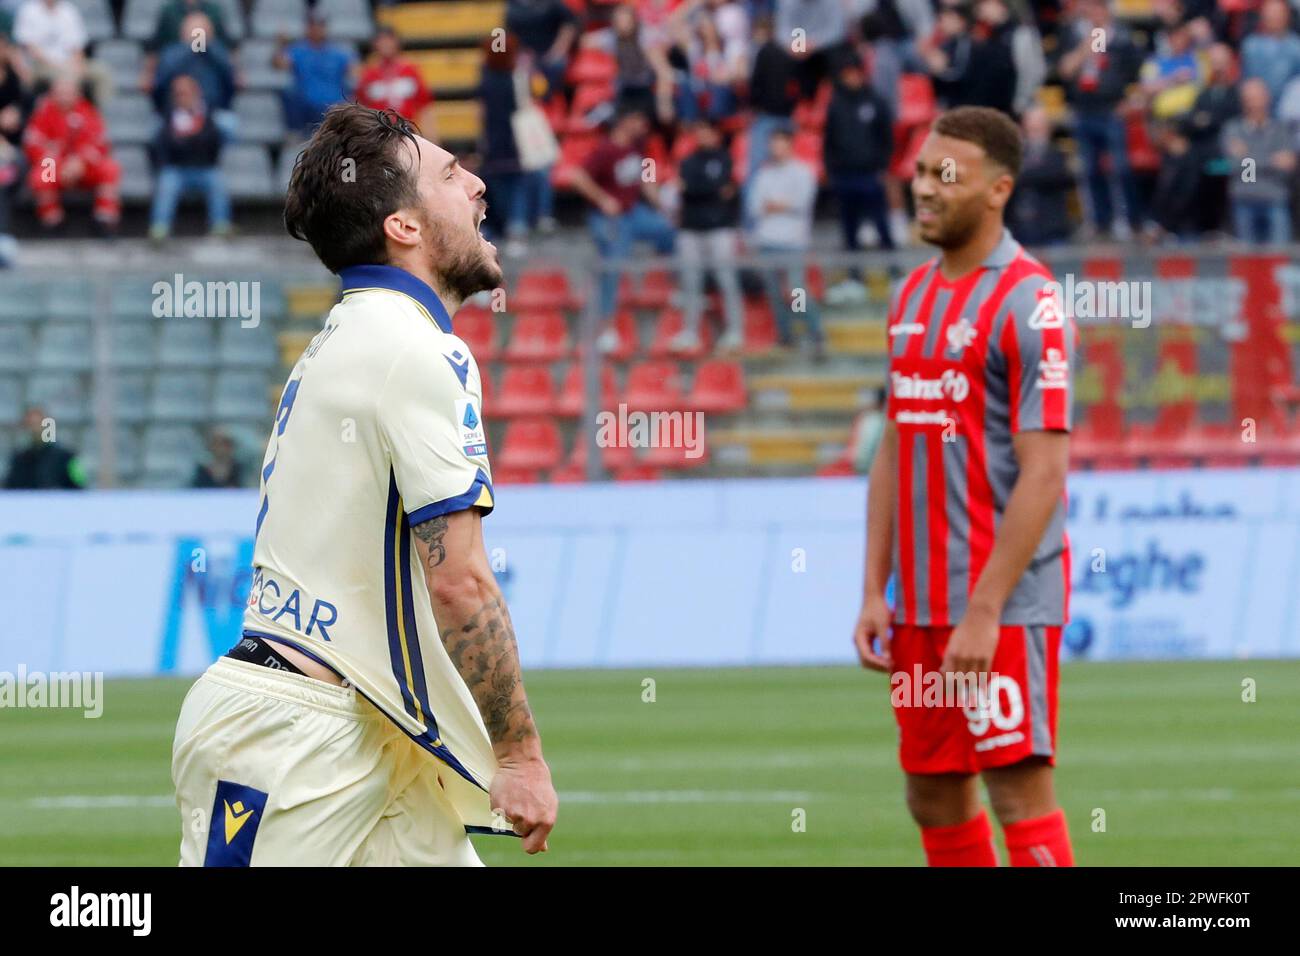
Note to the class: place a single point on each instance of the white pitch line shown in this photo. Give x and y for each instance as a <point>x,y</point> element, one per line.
<point>79,802</point>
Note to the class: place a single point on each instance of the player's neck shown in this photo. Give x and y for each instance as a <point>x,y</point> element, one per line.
<point>450,301</point>
<point>961,261</point>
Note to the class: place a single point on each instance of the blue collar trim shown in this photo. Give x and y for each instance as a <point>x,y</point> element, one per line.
<point>397,280</point>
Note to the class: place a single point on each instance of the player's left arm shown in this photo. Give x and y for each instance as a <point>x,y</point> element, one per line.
<point>1036,352</point>
<point>431,419</point>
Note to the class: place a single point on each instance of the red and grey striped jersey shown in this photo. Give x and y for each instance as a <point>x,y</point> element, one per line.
<point>972,363</point>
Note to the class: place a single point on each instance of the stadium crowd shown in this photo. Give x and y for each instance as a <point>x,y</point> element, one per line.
<point>1148,119</point>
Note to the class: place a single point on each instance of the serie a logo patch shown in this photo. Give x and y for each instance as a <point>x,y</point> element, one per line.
<point>236,814</point>
<point>473,439</point>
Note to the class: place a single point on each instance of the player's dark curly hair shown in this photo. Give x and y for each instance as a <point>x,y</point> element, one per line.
<point>352,174</point>
<point>991,130</point>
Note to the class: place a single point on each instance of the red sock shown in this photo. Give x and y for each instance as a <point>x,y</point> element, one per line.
<point>1043,841</point>
<point>966,844</point>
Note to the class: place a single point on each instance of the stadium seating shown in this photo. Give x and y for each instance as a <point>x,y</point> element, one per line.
<point>573,395</point>
<point>719,387</point>
<point>539,337</point>
<point>526,390</point>
<point>654,385</point>
<point>531,443</point>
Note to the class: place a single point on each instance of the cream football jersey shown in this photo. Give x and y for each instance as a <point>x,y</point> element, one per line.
<point>379,428</point>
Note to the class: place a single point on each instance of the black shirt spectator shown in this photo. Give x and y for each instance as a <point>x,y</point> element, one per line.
<point>707,201</point>
<point>1039,211</point>
<point>538,23</point>
<point>859,132</point>
<point>774,84</point>
<point>42,465</point>
<point>222,469</point>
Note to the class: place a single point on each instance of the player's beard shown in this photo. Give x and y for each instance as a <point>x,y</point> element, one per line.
<point>954,229</point>
<point>461,260</point>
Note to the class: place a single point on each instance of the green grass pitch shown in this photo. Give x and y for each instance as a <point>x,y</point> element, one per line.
<point>714,770</point>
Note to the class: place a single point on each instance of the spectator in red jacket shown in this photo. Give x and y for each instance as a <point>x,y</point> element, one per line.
<point>67,148</point>
<point>390,81</point>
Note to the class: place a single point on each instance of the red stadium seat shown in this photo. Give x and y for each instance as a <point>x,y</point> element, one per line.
<point>531,443</point>
<point>568,474</point>
<point>675,457</point>
<point>629,342</point>
<point>760,326</point>
<point>586,98</point>
<point>539,337</point>
<point>740,156</point>
<point>612,457</point>
<point>542,289</point>
<point>506,475</point>
<point>592,65</point>
<point>811,114</point>
<point>841,467</point>
<point>526,390</point>
<point>669,325</point>
<point>488,385</point>
<point>808,147</point>
<point>478,328</point>
<point>719,387</point>
<point>638,472</point>
<point>916,104</point>
<point>574,150</point>
<point>654,386</point>
<point>573,391</point>
<point>653,290</point>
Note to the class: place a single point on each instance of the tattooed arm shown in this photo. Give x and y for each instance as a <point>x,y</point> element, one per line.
<point>476,630</point>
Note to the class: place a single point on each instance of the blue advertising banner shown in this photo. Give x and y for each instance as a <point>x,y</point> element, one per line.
<point>744,572</point>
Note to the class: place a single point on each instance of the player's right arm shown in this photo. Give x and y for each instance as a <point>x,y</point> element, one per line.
<point>882,497</point>
<point>475,628</point>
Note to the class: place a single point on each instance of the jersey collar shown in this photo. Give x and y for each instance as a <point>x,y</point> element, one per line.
<point>1004,253</point>
<point>393,279</point>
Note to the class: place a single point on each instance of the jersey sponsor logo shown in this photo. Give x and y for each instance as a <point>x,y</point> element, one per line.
<point>1048,313</point>
<point>271,601</point>
<point>906,328</point>
<point>460,365</point>
<point>952,384</point>
<point>960,335</point>
<point>1054,370</point>
<point>472,438</point>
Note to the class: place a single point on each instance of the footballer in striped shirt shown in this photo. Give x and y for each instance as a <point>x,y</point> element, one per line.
<point>966,509</point>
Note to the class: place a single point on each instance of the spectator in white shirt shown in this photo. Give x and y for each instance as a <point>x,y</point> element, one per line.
<point>53,36</point>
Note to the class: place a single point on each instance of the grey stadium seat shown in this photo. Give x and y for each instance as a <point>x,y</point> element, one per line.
<point>62,394</point>
<point>170,454</point>
<point>130,118</point>
<point>261,116</point>
<point>273,18</point>
<point>347,19</point>
<point>185,342</point>
<point>131,397</point>
<point>284,167</point>
<point>247,169</point>
<point>17,347</point>
<point>98,18</point>
<point>126,453</point>
<point>122,59</point>
<point>241,395</point>
<point>241,347</point>
<point>179,397</point>
<point>234,16</point>
<point>140,18</point>
<point>21,300</point>
<point>11,400</point>
<point>72,300</point>
<point>137,176</point>
<point>256,62</point>
<point>64,347</point>
<point>132,345</point>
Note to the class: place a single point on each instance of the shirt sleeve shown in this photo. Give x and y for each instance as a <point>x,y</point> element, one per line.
<point>1037,346</point>
<point>431,418</point>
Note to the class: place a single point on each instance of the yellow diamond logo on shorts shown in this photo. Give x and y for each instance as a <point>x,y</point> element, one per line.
<point>236,817</point>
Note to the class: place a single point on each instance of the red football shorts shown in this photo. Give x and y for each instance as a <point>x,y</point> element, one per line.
<point>1010,717</point>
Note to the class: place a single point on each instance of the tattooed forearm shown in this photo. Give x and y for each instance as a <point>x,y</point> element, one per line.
<point>431,533</point>
<point>484,651</point>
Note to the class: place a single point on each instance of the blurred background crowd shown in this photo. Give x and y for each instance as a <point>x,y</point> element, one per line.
<point>734,135</point>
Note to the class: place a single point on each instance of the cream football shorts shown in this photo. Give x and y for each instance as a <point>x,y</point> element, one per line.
<point>273,768</point>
